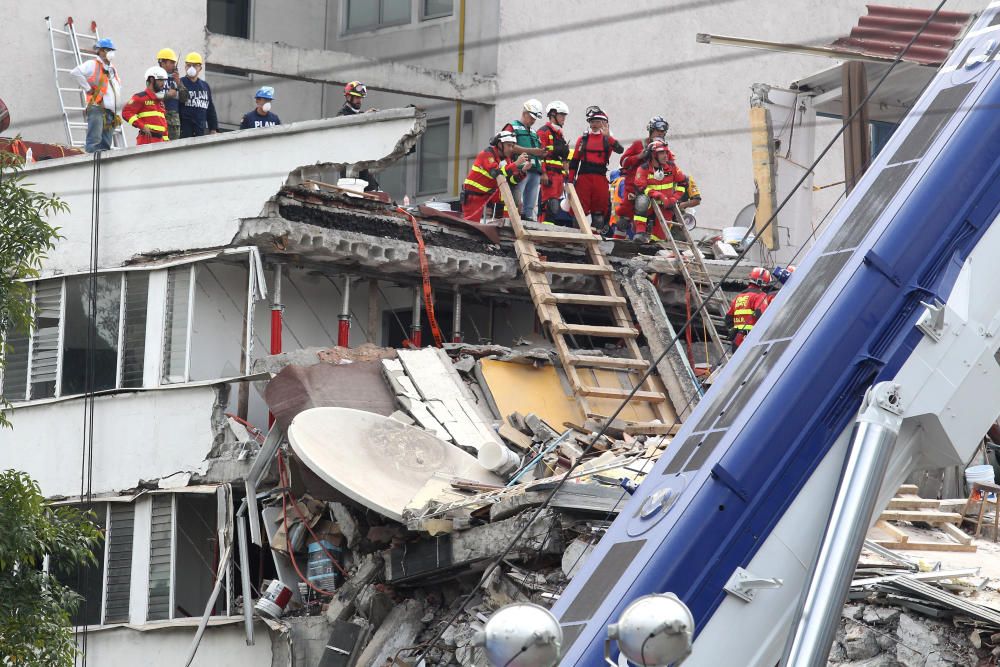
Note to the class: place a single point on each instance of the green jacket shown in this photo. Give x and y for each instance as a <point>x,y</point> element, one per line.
<point>529,139</point>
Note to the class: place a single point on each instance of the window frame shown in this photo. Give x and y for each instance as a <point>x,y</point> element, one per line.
<point>379,25</point>
<point>249,26</point>
<point>428,16</point>
<point>440,121</point>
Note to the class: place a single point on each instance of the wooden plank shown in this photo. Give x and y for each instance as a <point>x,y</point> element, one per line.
<point>591,330</point>
<point>913,504</point>
<point>927,546</point>
<point>762,158</point>
<point>607,362</point>
<point>560,237</point>
<point>652,429</point>
<point>569,267</point>
<point>956,533</point>
<point>917,515</point>
<point>896,533</point>
<point>611,392</point>
<point>585,299</point>
<point>904,489</point>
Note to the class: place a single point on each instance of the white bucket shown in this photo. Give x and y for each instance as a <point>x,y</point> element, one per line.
<point>274,600</point>
<point>734,236</point>
<point>353,184</point>
<point>980,474</point>
<point>495,457</point>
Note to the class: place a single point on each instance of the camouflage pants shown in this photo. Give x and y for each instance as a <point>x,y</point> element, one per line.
<point>173,125</point>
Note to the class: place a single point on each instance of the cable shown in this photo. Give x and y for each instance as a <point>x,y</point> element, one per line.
<point>748,246</point>
<point>514,657</point>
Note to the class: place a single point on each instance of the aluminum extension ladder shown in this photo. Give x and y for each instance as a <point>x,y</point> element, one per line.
<point>71,98</point>
<point>580,368</point>
<point>697,279</point>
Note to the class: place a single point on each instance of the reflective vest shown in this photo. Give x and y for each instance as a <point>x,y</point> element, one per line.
<point>145,110</point>
<point>661,184</point>
<point>481,179</point>
<point>527,138</point>
<point>746,308</point>
<point>618,186</point>
<point>98,83</point>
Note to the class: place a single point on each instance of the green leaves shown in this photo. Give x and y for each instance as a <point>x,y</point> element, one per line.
<point>35,608</point>
<point>25,237</point>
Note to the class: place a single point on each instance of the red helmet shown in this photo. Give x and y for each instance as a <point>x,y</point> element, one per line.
<point>355,88</point>
<point>760,276</point>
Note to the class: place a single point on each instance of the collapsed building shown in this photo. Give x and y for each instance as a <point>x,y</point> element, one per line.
<point>208,319</point>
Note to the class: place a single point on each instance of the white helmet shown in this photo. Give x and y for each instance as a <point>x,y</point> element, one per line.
<point>534,107</point>
<point>557,107</point>
<point>156,73</point>
<point>504,137</point>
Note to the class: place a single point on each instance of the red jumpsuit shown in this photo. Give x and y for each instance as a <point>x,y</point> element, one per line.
<point>145,110</point>
<point>744,312</point>
<point>553,166</point>
<point>660,183</point>
<point>589,168</point>
<point>630,161</point>
<point>480,187</point>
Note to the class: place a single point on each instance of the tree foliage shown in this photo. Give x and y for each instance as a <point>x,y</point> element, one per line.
<point>35,609</point>
<point>25,237</point>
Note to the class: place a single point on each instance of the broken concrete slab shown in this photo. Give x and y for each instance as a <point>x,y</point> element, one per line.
<point>596,499</point>
<point>398,631</point>
<point>357,385</point>
<point>444,555</point>
<point>369,569</point>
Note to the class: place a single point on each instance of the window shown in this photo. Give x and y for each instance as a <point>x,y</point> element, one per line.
<point>87,580</point>
<point>15,370</point>
<point>119,562</point>
<point>229,17</point>
<point>373,14</point>
<point>432,175</point>
<point>177,333</point>
<point>83,328</point>
<point>134,331</point>
<point>45,339</point>
<point>182,556</point>
<point>434,9</point>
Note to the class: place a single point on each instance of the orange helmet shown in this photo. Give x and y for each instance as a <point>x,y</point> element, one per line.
<point>356,89</point>
<point>760,276</point>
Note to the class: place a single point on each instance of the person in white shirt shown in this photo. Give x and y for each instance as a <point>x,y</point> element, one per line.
<point>102,89</point>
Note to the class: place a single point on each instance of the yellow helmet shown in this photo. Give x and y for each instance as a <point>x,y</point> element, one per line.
<point>194,58</point>
<point>166,54</point>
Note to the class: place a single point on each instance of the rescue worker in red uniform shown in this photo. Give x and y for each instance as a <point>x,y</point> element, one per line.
<point>554,162</point>
<point>588,168</point>
<point>630,161</point>
<point>748,306</point>
<point>145,110</point>
<point>660,180</point>
<point>480,188</point>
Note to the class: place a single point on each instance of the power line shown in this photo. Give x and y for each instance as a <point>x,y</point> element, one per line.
<point>749,243</point>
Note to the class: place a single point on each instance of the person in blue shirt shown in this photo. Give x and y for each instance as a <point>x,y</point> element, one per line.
<point>261,116</point>
<point>198,113</point>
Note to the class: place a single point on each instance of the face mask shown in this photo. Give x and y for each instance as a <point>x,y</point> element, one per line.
<point>111,56</point>
<point>191,72</point>
<point>160,94</point>
<point>265,107</point>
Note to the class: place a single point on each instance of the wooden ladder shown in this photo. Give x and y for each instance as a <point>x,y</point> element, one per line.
<point>536,273</point>
<point>697,279</point>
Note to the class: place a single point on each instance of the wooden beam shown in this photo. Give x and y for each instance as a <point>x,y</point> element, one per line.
<point>917,515</point>
<point>762,156</point>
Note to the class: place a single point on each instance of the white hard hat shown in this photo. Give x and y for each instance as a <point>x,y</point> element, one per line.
<point>156,73</point>
<point>534,107</point>
<point>504,137</point>
<point>557,107</point>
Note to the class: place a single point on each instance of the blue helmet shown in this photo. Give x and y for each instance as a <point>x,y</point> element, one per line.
<point>783,273</point>
<point>265,92</point>
<point>105,43</point>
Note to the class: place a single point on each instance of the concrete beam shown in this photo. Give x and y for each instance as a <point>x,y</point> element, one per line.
<point>335,67</point>
<point>673,368</point>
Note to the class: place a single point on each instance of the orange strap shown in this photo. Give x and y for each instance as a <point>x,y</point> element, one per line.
<point>425,278</point>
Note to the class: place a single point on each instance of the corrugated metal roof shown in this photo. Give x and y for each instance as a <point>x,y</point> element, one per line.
<point>886,31</point>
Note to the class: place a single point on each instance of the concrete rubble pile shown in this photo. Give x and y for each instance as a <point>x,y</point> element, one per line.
<point>404,567</point>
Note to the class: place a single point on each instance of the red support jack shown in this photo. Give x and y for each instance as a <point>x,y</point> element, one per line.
<point>276,322</point>
<point>344,326</point>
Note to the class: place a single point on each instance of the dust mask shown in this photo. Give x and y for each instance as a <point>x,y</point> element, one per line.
<point>191,72</point>
<point>160,94</point>
<point>111,56</point>
<point>265,107</point>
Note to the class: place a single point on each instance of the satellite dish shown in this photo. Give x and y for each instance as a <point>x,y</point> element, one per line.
<point>376,461</point>
<point>4,117</point>
<point>745,217</point>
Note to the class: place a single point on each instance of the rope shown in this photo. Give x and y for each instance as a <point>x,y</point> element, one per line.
<point>425,278</point>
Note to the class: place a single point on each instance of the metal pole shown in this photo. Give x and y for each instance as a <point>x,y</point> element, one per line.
<point>456,318</point>
<point>277,309</point>
<point>872,443</point>
<point>223,563</point>
<point>415,321</point>
<point>344,326</point>
<point>241,533</point>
